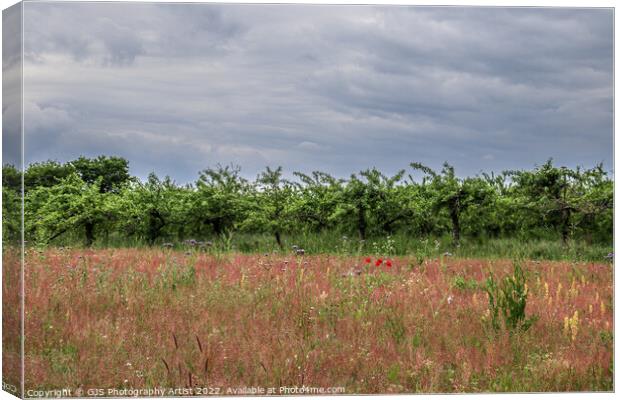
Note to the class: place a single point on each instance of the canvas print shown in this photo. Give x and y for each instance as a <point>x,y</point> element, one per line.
<point>277,199</point>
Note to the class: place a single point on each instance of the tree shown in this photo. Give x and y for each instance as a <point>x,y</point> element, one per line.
<point>455,195</point>
<point>559,196</point>
<point>46,174</point>
<point>316,200</point>
<point>220,200</point>
<point>68,206</point>
<point>373,202</point>
<point>11,203</point>
<point>149,208</point>
<point>11,178</point>
<point>113,171</point>
<point>271,204</point>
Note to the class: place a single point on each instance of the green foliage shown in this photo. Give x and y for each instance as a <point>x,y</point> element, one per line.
<point>11,215</point>
<point>454,195</point>
<point>567,200</point>
<point>220,202</point>
<point>372,203</point>
<point>508,300</point>
<point>46,174</point>
<point>464,284</point>
<point>11,178</point>
<point>97,201</point>
<point>112,171</point>
<point>271,204</point>
<point>149,210</point>
<point>70,205</point>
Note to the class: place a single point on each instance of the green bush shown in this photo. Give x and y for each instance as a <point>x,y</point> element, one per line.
<point>508,299</point>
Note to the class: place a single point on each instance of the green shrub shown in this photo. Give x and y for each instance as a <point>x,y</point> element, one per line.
<point>508,300</point>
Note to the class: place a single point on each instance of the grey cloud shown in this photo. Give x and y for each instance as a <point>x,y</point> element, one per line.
<point>11,85</point>
<point>337,88</point>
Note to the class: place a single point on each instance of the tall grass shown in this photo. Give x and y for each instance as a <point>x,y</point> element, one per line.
<point>400,244</point>
<point>121,318</point>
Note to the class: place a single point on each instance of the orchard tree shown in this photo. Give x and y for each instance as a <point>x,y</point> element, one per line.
<point>220,199</point>
<point>595,203</point>
<point>46,174</point>
<point>271,202</point>
<point>560,196</point>
<point>454,195</point>
<point>372,202</point>
<point>113,171</point>
<point>316,200</point>
<point>11,178</point>
<point>11,203</point>
<point>149,208</point>
<point>11,215</point>
<point>67,207</point>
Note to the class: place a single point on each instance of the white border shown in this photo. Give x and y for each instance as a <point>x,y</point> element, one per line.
<point>488,3</point>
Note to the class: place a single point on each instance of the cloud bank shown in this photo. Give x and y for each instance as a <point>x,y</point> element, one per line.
<point>176,88</point>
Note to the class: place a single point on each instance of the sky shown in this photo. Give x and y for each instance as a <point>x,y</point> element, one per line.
<point>177,88</point>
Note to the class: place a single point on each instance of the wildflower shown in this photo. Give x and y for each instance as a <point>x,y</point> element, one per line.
<point>571,325</point>
<point>367,260</point>
<point>378,262</point>
<point>574,328</point>
<point>388,263</point>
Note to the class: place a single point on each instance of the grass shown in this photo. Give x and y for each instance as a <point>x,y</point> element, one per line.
<point>11,315</point>
<point>401,244</point>
<point>145,318</point>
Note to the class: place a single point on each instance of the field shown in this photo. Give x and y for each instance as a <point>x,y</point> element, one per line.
<point>146,318</point>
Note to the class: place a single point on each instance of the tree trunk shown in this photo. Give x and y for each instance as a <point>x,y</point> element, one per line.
<point>279,239</point>
<point>565,226</point>
<point>456,226</point>
<point>156,224</point>
<point>90,233</point>
<point>217,225</point>
<point>361,223</point>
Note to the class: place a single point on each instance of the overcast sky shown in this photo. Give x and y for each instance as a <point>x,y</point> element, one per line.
<point>176,88</point>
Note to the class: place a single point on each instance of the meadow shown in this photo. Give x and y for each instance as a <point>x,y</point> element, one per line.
<point>177,318</point>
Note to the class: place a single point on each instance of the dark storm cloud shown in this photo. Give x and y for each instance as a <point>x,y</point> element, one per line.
<point>176,88</point>
<point>11,86</point>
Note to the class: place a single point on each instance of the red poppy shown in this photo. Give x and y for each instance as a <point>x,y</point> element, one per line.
<point>388,263</point>
<point>378,262</point>
<point>367,260</point>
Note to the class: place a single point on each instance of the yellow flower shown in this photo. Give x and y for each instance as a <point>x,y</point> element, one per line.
<point>573,292</point>
<point>571,325</point>
<point>574,328</point>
